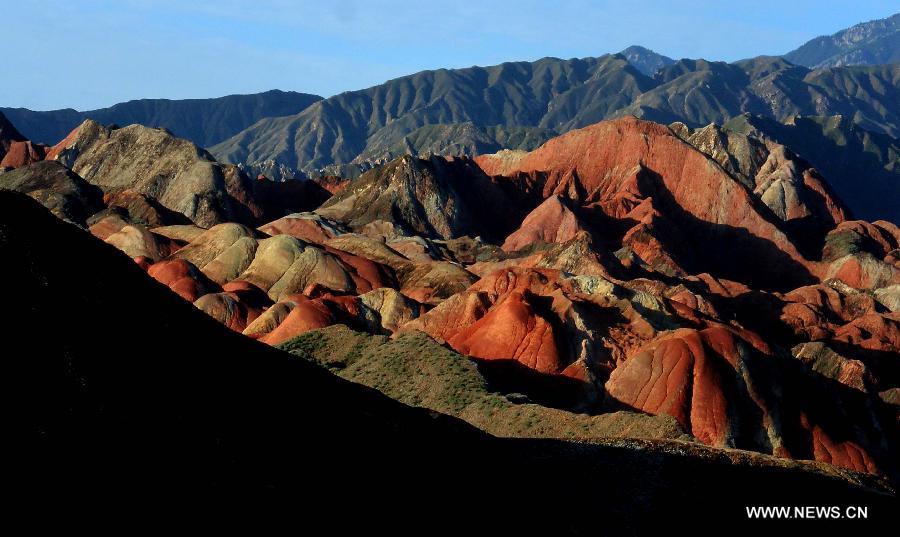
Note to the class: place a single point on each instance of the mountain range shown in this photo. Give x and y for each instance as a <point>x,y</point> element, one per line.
<point>514,105</point>
<point>202,121</point>
<point>551,96</point>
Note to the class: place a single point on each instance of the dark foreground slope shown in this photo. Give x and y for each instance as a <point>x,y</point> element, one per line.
<point>125,395</point>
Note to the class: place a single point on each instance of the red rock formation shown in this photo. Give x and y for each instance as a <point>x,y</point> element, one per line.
<point>550,222</point>
<point>238,305</point>
<point>832,210</point>
<point>649,272</point>
<point>713,380</point>
<point>23,153</point>
<point>872,332</point>
<point>816,311</point>
<point>331,183</point>
<point>54,152</point>
<point>8,135</point>
<point>616,164</point>
<point>547,322</point>
<point>142,209</point>
<point>863,254</point>
<point>367,275</point>
<point>306,227</point>
<point>182,277</point>
<point>310,313</point>
<point>106,226</point>
<point>513,329</point>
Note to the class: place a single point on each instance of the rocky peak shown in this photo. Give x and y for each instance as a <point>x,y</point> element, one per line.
<point>180,175</point>
<point>646,60</point>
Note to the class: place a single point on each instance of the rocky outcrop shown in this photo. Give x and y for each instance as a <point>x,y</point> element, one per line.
<point>434,198</point>
<point>788,185</point>
<point>863,255</point>
<point>64,193</point>
<point>300,313</point>
<point>238,305</point>
<point>860,166</point>
<point>175,172</point>
<point>222,252</point>
<point>281,265</point>
<point>393,308</point>
<point>138,241</point>
<point>142,209</point>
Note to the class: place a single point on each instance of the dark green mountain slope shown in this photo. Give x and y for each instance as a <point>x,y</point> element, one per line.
<point>869,43</point>
<point>698,92</point>
<point>202,121</point>
<point>519,105</point>
<point>549,93</point>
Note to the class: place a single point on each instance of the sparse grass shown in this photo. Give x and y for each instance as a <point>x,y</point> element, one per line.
<point>416,370</point>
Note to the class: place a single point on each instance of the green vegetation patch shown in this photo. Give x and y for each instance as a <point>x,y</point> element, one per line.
<point>416,370</point>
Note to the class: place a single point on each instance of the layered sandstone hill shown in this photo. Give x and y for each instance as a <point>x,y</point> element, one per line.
<point>664,196</point>
<point>665,351</point>
<point>196,412</point>
<point>862,167</point>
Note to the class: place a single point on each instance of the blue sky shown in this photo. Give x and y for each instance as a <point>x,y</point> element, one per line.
<point>88,54</point>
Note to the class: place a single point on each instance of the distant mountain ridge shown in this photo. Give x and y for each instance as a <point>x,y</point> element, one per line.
<point>541,99</point>
<point>202,121</point>
<point>869,43</point>
<point>549,94</point>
